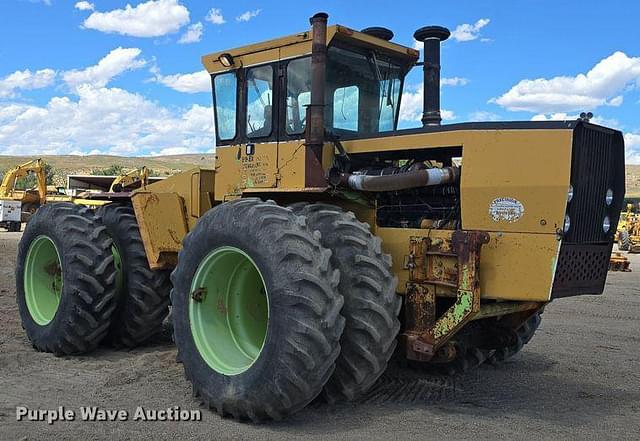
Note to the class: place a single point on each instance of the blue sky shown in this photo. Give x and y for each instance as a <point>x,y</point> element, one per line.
<point>104,77</point>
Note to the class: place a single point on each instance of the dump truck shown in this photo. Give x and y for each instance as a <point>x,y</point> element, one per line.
<point>324,240</point>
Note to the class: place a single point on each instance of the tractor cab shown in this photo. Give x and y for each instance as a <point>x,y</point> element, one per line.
<point>261,91</point>
<point>262,96</point>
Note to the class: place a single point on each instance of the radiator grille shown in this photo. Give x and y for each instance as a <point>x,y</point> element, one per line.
<point>593,171</point>
<point>597,165</point>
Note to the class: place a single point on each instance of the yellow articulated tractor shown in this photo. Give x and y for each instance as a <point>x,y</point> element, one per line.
<point>324,240</point>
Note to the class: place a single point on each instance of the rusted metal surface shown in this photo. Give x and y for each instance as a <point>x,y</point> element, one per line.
<point>444,264</point>
<point>314,136</point>
<point>420,307</point>
<point>505,308</point>
<point>619,262</point>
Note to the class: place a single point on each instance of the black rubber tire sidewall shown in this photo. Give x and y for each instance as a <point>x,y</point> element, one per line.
<point>49,221</point>
<point>128,328</point>
<point>250,384</point>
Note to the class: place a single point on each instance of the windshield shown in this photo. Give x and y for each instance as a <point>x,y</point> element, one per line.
<point>363,92</point>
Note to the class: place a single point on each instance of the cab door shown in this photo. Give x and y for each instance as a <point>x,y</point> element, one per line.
<point>257,155</point>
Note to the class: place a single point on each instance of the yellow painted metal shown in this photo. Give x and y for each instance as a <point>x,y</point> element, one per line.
<point>236,171</point>
<point>508,261</point>
<point>86,202</point>
<point>531,166</point>
<point>298,45</point>
<point>291,164</point>
<point>168,209</point>
<point>162,221</point>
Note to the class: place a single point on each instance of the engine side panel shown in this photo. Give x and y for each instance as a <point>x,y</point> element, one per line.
<point>513,266</point>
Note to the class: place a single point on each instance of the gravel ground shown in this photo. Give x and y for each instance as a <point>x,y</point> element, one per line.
<point>579,378</point>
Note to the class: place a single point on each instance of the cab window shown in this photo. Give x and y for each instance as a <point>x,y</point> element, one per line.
<point>345,108</point>
<point>298,94</point>
<point>259,101</point>
<point>225,86</point>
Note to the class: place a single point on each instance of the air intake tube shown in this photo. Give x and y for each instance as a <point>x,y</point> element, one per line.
<point>398,181</point>
<point>431,36</point>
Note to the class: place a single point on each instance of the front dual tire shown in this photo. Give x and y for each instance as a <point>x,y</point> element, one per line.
<point>256,310</point>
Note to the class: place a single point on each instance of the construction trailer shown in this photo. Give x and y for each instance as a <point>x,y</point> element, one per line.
<point>324,240</point>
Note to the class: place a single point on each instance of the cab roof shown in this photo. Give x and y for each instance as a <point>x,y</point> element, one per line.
<point>299,44</point>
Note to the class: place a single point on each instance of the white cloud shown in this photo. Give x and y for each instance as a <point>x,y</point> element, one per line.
<point>632,148</point>
<point>188,83</point>
<point>26,80</point>
<point>454,81</point>
<point>215,16</point>
<point>46,2</point>
<point>447,115</point>
<point>153,18</point>
<point>483,115</point>
<point>85,6</point>
<point>463,32</point>
<point>603,85</point>
<point>113,64</point>
<point>411,106</point>
<point>563,116</point>
<point>172,151</point>
<point>193,34</point>
<point>469,32</point>
<point>248,15</point>
<point>103,120</point>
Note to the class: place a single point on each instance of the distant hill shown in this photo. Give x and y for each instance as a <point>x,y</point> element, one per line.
<point>64,165</point>
<point>168,165</point>
<point>633,181</point>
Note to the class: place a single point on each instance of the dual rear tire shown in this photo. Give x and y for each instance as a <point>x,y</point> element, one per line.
<point>82,278</point>
<point>65,280</point>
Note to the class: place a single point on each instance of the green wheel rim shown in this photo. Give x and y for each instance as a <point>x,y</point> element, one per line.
<point>228,310</point>
<point>117,262</point>
<point>43,280</point>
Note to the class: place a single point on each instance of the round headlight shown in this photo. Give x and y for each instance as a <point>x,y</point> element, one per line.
<point>606,224</point>
<point>608,198</point>
<point>567,223</point>
<point>570,193</point>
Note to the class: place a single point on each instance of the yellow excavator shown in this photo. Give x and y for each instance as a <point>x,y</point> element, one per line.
<point>17,205</point>
<point>125,181</point>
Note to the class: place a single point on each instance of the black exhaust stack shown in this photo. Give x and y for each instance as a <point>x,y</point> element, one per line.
<point>431,36</point>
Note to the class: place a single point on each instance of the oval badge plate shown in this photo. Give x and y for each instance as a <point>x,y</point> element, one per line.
<point>506,209</point>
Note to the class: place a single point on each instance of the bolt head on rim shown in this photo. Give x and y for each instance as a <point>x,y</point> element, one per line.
<point>43,280</point>
<point>229,316</point>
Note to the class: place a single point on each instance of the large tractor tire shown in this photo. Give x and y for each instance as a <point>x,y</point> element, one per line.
<point>143,294</point>
<point>371,305</point>
<point>28,209</point>
<point>256,312</point>
<point>65,280</point>
<point>468,355</point>
<point>624,241</point>
<point>524,334</point>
